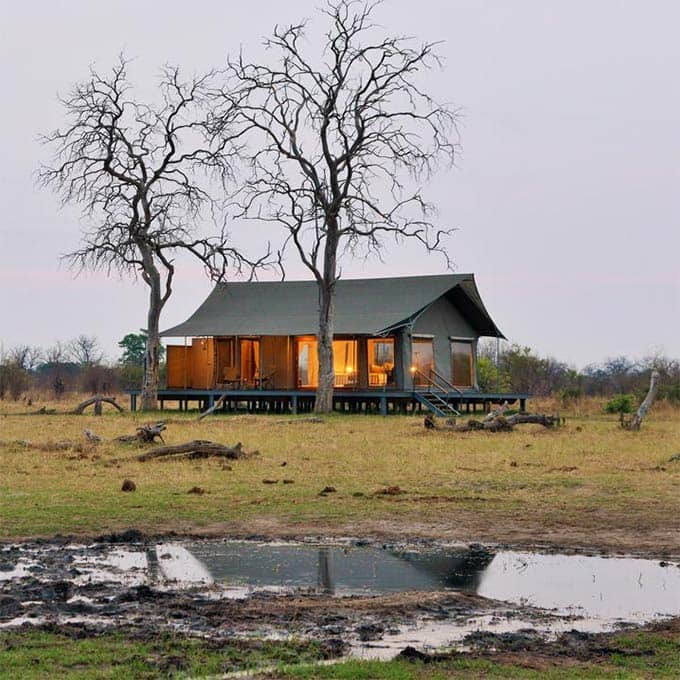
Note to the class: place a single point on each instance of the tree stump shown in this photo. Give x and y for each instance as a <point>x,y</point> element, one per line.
<point>637,419</point>
<point>146,434</point>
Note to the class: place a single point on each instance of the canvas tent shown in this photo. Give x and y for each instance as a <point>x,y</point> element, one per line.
<point>389,333</point>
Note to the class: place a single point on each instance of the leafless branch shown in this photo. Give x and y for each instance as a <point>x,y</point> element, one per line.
<point>340,145</point>
<point>145,175</point>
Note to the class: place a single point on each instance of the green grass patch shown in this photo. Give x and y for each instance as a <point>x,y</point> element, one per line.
<point>645,654</point>
<point>39,654</point>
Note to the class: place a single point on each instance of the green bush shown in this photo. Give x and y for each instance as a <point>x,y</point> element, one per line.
<point>620,403</point>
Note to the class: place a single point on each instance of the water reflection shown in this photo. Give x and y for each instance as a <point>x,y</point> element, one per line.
<point>341,569</point>
<point>623,588</point>
<point>325,580</point>
<point>451,570</point>
<point>173,562</point>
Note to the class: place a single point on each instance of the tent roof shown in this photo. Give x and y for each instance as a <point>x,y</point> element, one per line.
<point>362,306</point>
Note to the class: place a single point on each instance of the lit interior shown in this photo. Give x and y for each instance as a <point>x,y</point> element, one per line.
<point>344,362</point>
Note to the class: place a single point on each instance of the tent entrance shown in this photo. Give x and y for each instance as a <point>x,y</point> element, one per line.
<point>250,362</point>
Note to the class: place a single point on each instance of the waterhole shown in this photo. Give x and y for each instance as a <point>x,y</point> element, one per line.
<point>599,587</point>
<point>176,582</point>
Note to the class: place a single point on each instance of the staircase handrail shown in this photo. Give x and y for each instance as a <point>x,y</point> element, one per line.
<point>444,386</point>
<point>450,387</point>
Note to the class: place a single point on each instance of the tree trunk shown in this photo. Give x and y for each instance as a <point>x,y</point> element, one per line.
<point>636,422</point>
<point>149,396</point>
<point>324,392</point>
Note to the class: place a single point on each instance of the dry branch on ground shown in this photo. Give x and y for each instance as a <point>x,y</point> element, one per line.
<point>198,448</point>
<point>494,422</point>
<point>146,434</point>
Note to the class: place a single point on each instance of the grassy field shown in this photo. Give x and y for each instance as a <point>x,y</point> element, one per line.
<point>627,656</point>
<point>32,655</point>
<point>588,483</point>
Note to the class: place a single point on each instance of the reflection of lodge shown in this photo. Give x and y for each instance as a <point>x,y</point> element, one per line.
<point>408,339</point>
<point>329,569</point>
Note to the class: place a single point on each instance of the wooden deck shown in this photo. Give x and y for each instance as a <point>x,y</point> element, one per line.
<point>382,402</point>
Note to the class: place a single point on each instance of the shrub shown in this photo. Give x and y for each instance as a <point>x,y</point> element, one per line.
<point>620,403</point>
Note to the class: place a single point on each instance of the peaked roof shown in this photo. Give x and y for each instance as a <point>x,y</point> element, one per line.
<point>362,306</point>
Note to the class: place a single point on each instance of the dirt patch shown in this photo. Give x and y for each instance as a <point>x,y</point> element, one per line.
<point>516,534</point>
<point>528,649</point>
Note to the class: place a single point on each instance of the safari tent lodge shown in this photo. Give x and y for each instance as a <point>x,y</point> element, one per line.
<point>399,344</point>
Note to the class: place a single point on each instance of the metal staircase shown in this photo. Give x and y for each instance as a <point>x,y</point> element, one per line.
<point>433,393</point>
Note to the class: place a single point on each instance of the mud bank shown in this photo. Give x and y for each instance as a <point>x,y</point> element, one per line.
<point>358,597</point>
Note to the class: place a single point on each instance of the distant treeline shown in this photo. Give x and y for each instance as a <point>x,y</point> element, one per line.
<point>518,368</point>
<point>79,365</point>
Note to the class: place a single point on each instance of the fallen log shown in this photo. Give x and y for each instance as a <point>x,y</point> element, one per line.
<point>97,400</point>
<point>199,448</point>
<point>536,418</point>
<point>497,423</point>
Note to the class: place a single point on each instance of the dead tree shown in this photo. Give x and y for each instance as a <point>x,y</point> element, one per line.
<point>85,350</point>
<point>339,144</point>
<point>141,174</point>
<point>639,416</point>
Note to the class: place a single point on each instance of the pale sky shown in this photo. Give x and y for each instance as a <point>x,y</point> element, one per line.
<point>565,197</point>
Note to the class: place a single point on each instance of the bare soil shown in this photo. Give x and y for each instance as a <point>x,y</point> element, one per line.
<point>643,542</point>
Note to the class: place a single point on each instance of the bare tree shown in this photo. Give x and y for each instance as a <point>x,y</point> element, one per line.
<point>142,174</point>
<point>25,356</point>
<point>56,354</point>
<point>338,146</point>
<point>85,350</point>
<point>16,369</point>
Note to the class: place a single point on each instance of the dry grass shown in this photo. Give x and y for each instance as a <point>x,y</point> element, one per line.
<point>588,483</point>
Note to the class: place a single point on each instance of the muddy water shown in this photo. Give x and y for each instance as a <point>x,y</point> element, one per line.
<point>344,569</point>
<point>111,584</point>
<point>597,587</point>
